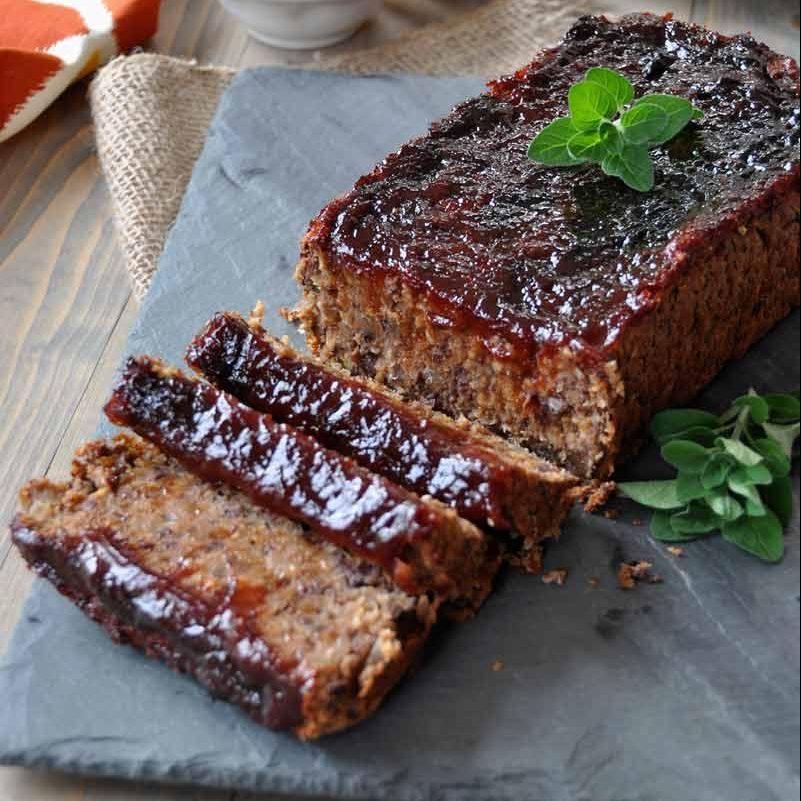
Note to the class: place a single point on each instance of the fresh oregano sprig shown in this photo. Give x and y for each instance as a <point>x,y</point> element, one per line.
<point>607,126</point>
<point>733,474</point>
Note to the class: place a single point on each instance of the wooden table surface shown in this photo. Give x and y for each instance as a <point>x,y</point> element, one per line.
<point>65,301</point>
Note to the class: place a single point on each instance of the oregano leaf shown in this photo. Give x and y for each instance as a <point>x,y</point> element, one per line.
<point>754,505</point>
<point>686,456</point>
<point>761,536</point>
<point>550,147</point>
<point>654,494</point>
<point>643,124</point>
<point>590,104</point>
<point>616,85</point>
<point>741,452</point>
<point>760,411</point>
<point>633,166</point>
<point>679,113</point>
<point>724,505</point>
<point>662,529</point>
<point>672,424</point>
<point>783,408</point>
<point>784,435</point>
<point>611,139</point>
<point>716,471</point>
<point>689,487</point>
<point>586,146</point>
<point>776,460</point>
<point>696,520</point>
<point>779,498</point>
<point>758,475</point>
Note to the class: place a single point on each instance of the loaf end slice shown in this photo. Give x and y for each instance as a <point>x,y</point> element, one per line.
<point>299,634</point>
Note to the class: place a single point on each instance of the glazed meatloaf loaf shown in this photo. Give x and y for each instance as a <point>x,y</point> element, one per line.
<point>263,613</point>
<point>424,546</point>
<point>556,305</point>
<point>482,477</point>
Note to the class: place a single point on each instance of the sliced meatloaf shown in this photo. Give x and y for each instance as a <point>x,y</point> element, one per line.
<point>263,613</point>
<point>555,305</point>
<point>421,544</point>
<point>482,477</point>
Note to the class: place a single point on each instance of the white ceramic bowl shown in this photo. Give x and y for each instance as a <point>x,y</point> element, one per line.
<point>302,24</point>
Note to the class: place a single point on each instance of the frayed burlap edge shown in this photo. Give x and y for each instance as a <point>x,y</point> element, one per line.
<point>152,112</point>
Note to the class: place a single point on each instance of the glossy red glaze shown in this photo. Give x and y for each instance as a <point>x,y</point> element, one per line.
<point>214,638</point>
<point>541,257</point>
<point>379,432</point>
<point>219,439</point>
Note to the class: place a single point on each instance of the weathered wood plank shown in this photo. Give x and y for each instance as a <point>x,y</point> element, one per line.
<point>16,578</point>
<point>773,21</point>
<point>681,8</point>
<point>25,785</point>
<point>61,289</point>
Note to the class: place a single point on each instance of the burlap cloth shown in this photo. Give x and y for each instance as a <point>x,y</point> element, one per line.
<point>152,112</point>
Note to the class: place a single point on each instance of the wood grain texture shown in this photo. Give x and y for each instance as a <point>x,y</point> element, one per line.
<point>773,21</point>
<point>65,304</point>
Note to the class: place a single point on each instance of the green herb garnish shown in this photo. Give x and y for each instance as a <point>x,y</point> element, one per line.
<point>607,126</point>
<point>733,474</point>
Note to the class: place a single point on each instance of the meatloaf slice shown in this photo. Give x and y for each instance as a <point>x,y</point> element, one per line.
<point>420,543</point>
<point>483,477</point>
<point>556,305</point>
<point>264,614</point>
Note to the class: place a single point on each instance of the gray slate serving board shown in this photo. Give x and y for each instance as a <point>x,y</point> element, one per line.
<point>688,691</point>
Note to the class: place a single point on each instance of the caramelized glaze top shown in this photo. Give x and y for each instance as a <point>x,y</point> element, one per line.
<point>544,256</point>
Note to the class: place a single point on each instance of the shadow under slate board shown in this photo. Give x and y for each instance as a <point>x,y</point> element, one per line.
<point>688,690</point>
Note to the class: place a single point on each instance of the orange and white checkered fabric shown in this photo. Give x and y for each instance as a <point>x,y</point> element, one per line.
<point>45,46</point>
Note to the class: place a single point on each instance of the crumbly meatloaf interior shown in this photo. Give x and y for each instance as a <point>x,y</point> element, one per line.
<point>332,627</point>
<point>731,291</point>
<point>385,330</point>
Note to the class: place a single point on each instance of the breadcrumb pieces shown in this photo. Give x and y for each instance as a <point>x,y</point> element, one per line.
<point>256,318</point>
<point>677,551</point>
<point>557,577</point>
<point>498,666</point>
<point>597,495</point>
<point>629,574</point>
<point>529,560</point>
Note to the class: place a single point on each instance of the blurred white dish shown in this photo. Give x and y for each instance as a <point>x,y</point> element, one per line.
<point>302,24</point>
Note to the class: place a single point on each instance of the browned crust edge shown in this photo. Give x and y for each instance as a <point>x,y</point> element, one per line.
<point>728,295</point>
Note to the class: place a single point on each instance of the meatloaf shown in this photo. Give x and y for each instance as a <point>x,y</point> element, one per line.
<point>421,544</point>
<point>555,305</point>
<point>483,477</point>
<point>263,613</point>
